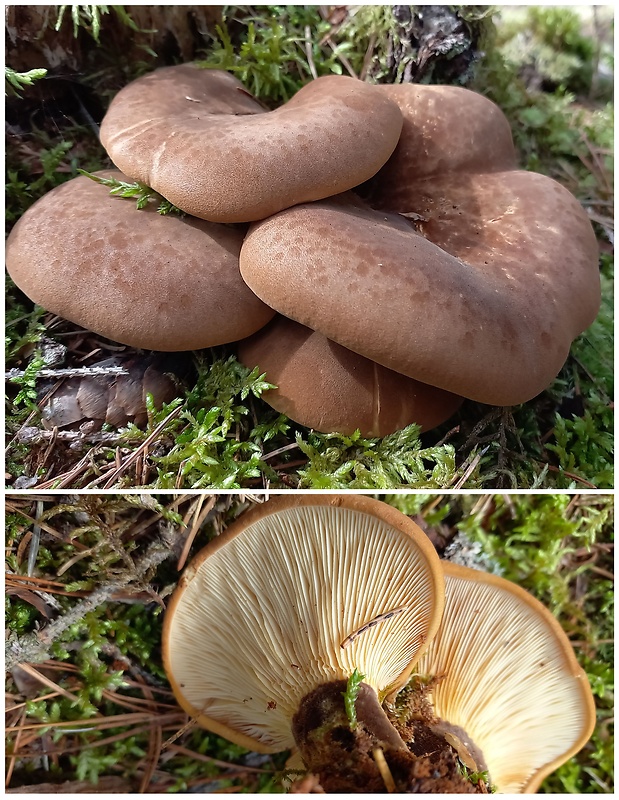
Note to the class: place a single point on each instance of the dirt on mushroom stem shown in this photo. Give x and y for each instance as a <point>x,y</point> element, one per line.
<point>397,750</point>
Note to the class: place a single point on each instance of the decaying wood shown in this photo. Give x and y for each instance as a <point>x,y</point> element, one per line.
<point>169,31</point>
<point>427,39</point>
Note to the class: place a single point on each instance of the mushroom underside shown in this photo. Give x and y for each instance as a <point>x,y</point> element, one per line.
<point>506,674</point>
<point>347,578</point>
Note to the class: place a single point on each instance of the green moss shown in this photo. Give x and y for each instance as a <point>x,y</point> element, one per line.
<point>89,19</point>
<point>550,40</point>
<point>350,697</point>
<point>206,451</point>
<point>21,617</point>
<point>270,53</point>
<point>21,190</point>
<point>353,462</point>
<point>142,194</point>
<point>16,81</point>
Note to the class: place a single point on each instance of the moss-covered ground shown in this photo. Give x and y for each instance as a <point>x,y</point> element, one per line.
<point>549,69</point>
<point>88,578</point>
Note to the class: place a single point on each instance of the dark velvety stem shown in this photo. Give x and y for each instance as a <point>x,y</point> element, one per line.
<point>323,711</point>
<point>342,757</point>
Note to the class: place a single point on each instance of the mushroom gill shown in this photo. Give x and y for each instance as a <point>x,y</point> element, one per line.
<point>506,674</point>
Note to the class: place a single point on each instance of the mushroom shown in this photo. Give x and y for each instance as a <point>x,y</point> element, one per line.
<point>470,276</point>
<point>157,282</point>
<point>508,685</point>
<point>325,386</point>
<point>294,596</point>
<point>301,592</point>
<point>198,138</point>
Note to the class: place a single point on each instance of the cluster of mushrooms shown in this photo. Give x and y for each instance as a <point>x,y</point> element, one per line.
<point>273,616</point>
<point>447,274</point>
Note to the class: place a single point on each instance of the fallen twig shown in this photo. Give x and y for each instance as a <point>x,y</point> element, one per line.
<point>67,372</point>
<point>34,647</point>
<point>32,435</point>
<point>308,52</point>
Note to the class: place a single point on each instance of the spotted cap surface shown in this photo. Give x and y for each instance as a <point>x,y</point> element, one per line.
<point>140,278</point>
<point>198,138</point>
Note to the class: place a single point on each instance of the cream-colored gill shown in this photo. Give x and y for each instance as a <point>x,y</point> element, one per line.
<point>508,676</point>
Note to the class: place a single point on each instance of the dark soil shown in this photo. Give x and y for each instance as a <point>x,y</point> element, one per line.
<point>404,753</point>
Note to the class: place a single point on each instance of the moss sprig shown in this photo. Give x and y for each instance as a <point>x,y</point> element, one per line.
<point>350,697</point>
<point>143,194</point>
<point>16,81</point>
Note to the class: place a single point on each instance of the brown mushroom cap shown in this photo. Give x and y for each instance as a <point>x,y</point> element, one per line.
<point>147,280</point>
<point>325,386</point>
<point>197,138</point>
<point>261,616</point>
<point>488,311</point>
<point>508,677</point>
<point>446,129</point>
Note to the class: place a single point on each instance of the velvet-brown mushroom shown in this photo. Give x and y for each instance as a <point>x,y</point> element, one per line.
<point>446,129</point>
<point>157,282</point>
<point>200,140</point>
<point>479,292</point>
<point>325,386</point>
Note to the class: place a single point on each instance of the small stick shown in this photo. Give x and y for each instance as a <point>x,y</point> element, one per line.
<point>383,768</point>
<point>40,678</point>
<point>15,753</point>
<point>471,468</point>
<point>346,63</point>
<point>201,513</point>
<point>280,450</point>
<point>463,754</point>
<point>308,52</point>
<point>32,435</point>
<point>36,540</point>
<point>66,372</point>
<point>191,723</point>
<point>368,58</point>
<point>380,618</point>
<point>124,465</point>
